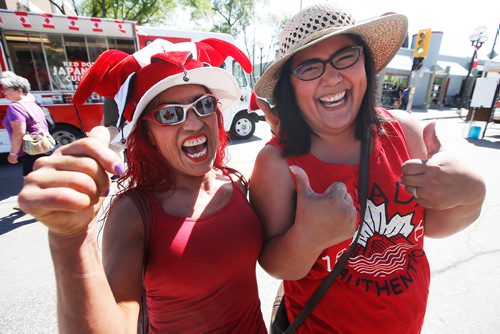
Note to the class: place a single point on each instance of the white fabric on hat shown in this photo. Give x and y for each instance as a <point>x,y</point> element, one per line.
<point>218,81</point>
<point>121,98</point>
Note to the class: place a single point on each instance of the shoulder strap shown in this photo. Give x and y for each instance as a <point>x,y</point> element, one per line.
<point>33,123</point>
<point>228,171</point>
<point>321,290</point>
<point>143,204</point>
<point>25,109</point>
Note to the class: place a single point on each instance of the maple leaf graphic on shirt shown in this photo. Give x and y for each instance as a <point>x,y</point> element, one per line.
<point>383,244</point>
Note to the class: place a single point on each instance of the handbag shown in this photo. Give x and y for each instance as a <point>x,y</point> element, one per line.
<point>280,324</point>
<point>36,143</point>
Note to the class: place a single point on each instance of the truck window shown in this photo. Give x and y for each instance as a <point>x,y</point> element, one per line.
<point>239,74</point>
<point>96,46</point>
<point>54,62</point>
<point>58,64</point>
<point>124,45</point>
<point>27,59</point>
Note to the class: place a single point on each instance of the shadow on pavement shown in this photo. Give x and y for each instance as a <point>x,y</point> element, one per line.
<point>491,141</point>
<point>231,141</point>
<point>7,223</point>
<point>11,179</point>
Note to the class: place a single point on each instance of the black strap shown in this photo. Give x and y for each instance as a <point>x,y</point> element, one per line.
<point>321,290</point>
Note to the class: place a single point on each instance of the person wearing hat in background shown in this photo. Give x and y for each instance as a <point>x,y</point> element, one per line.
<point>180,224</point>
<point>18,120</point>
<point>304,183</point>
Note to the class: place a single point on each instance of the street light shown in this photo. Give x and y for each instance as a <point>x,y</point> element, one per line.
<point>261,46</point>
<point>493,54</point>
<point>477,39</point>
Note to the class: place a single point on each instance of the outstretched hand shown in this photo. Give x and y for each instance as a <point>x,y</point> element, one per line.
<point>66,189</point>
<point>328,218</point>
<point>439,182</point>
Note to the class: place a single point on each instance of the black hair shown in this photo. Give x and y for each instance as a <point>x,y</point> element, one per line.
<point>295,133</point>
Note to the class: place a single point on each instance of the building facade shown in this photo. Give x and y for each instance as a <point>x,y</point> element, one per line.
<point>440,82</point>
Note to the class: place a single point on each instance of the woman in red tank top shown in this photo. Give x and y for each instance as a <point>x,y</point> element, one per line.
<point>180,232</point>
<point>304,183</point>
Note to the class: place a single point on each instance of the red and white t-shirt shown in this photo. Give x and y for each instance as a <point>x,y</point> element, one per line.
<point>384,286</point>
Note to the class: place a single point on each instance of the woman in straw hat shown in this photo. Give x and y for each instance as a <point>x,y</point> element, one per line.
<point>180,228</point>
<point>304,183</point>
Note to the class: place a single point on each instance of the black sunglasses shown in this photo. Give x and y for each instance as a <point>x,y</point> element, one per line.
<point>314,68</point>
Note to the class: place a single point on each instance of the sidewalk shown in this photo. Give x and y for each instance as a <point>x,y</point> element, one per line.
<point>430,114</point>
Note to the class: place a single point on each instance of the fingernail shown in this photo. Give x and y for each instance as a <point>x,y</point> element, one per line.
<point>106,193</point>
<point>119,168</point>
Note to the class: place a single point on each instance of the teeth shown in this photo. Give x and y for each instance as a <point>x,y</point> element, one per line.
<point>195,141</point>
<point>197,155</point>
<point>333,98</point>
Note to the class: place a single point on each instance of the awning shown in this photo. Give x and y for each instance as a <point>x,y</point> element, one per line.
<point>401,62</point>
<point>455,68</point>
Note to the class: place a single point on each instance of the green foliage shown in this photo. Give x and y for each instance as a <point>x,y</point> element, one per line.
<point>200,9</point>
<point>141,11</point>
<point>233,15</point>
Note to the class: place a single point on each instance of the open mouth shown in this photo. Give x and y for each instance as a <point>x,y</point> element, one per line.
<point>195,148</point>
<point>332,101</point>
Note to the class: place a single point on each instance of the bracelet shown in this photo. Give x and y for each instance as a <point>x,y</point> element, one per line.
<point>10,153</point>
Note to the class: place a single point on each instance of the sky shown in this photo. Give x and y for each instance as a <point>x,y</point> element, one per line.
<point>456,19</point>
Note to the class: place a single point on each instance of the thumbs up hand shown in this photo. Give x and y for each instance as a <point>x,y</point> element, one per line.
<point>270,113</point>
<point>441,181</point>
<point>325,219</point>
<point>67,188</point>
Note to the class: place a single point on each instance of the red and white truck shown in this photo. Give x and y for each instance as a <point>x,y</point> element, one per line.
<point>53,52</point>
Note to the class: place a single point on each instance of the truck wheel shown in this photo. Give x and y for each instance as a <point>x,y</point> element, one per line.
<point>243,126</point>
<point>65,134</point>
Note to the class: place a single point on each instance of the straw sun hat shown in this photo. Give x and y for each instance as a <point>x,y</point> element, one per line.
<point>384,36</point>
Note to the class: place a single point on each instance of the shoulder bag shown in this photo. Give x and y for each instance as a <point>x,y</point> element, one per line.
<point>280,324</point>
<point>36,143</point>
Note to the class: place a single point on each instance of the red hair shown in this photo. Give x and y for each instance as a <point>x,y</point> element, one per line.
<point>148,170</point>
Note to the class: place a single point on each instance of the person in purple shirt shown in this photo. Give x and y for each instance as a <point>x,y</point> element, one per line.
<point>17,119</point>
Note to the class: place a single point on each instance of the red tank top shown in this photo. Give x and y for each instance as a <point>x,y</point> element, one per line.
<point>384,286</point>
<point>200,273</point>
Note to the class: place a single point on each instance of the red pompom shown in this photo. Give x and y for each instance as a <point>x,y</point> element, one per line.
<point>95,74</point>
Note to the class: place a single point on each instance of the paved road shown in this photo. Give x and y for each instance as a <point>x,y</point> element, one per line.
<point>464,293</point>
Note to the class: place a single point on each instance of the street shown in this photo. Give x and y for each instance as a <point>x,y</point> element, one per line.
<point>465,268</point>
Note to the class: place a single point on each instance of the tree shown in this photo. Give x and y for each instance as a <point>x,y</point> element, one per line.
<point>141,11</point>
<point>269,42</point>
<point>228,16</point>
<point>235,14</point>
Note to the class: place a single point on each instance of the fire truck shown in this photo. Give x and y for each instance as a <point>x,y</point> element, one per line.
<point>54,51</point>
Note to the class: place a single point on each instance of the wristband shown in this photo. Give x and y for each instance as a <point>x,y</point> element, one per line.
<point>10,153</point>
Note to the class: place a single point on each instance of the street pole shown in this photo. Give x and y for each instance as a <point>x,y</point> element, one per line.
<point>493,54</point>
<point>260,71</point>
<point>477,39</point>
